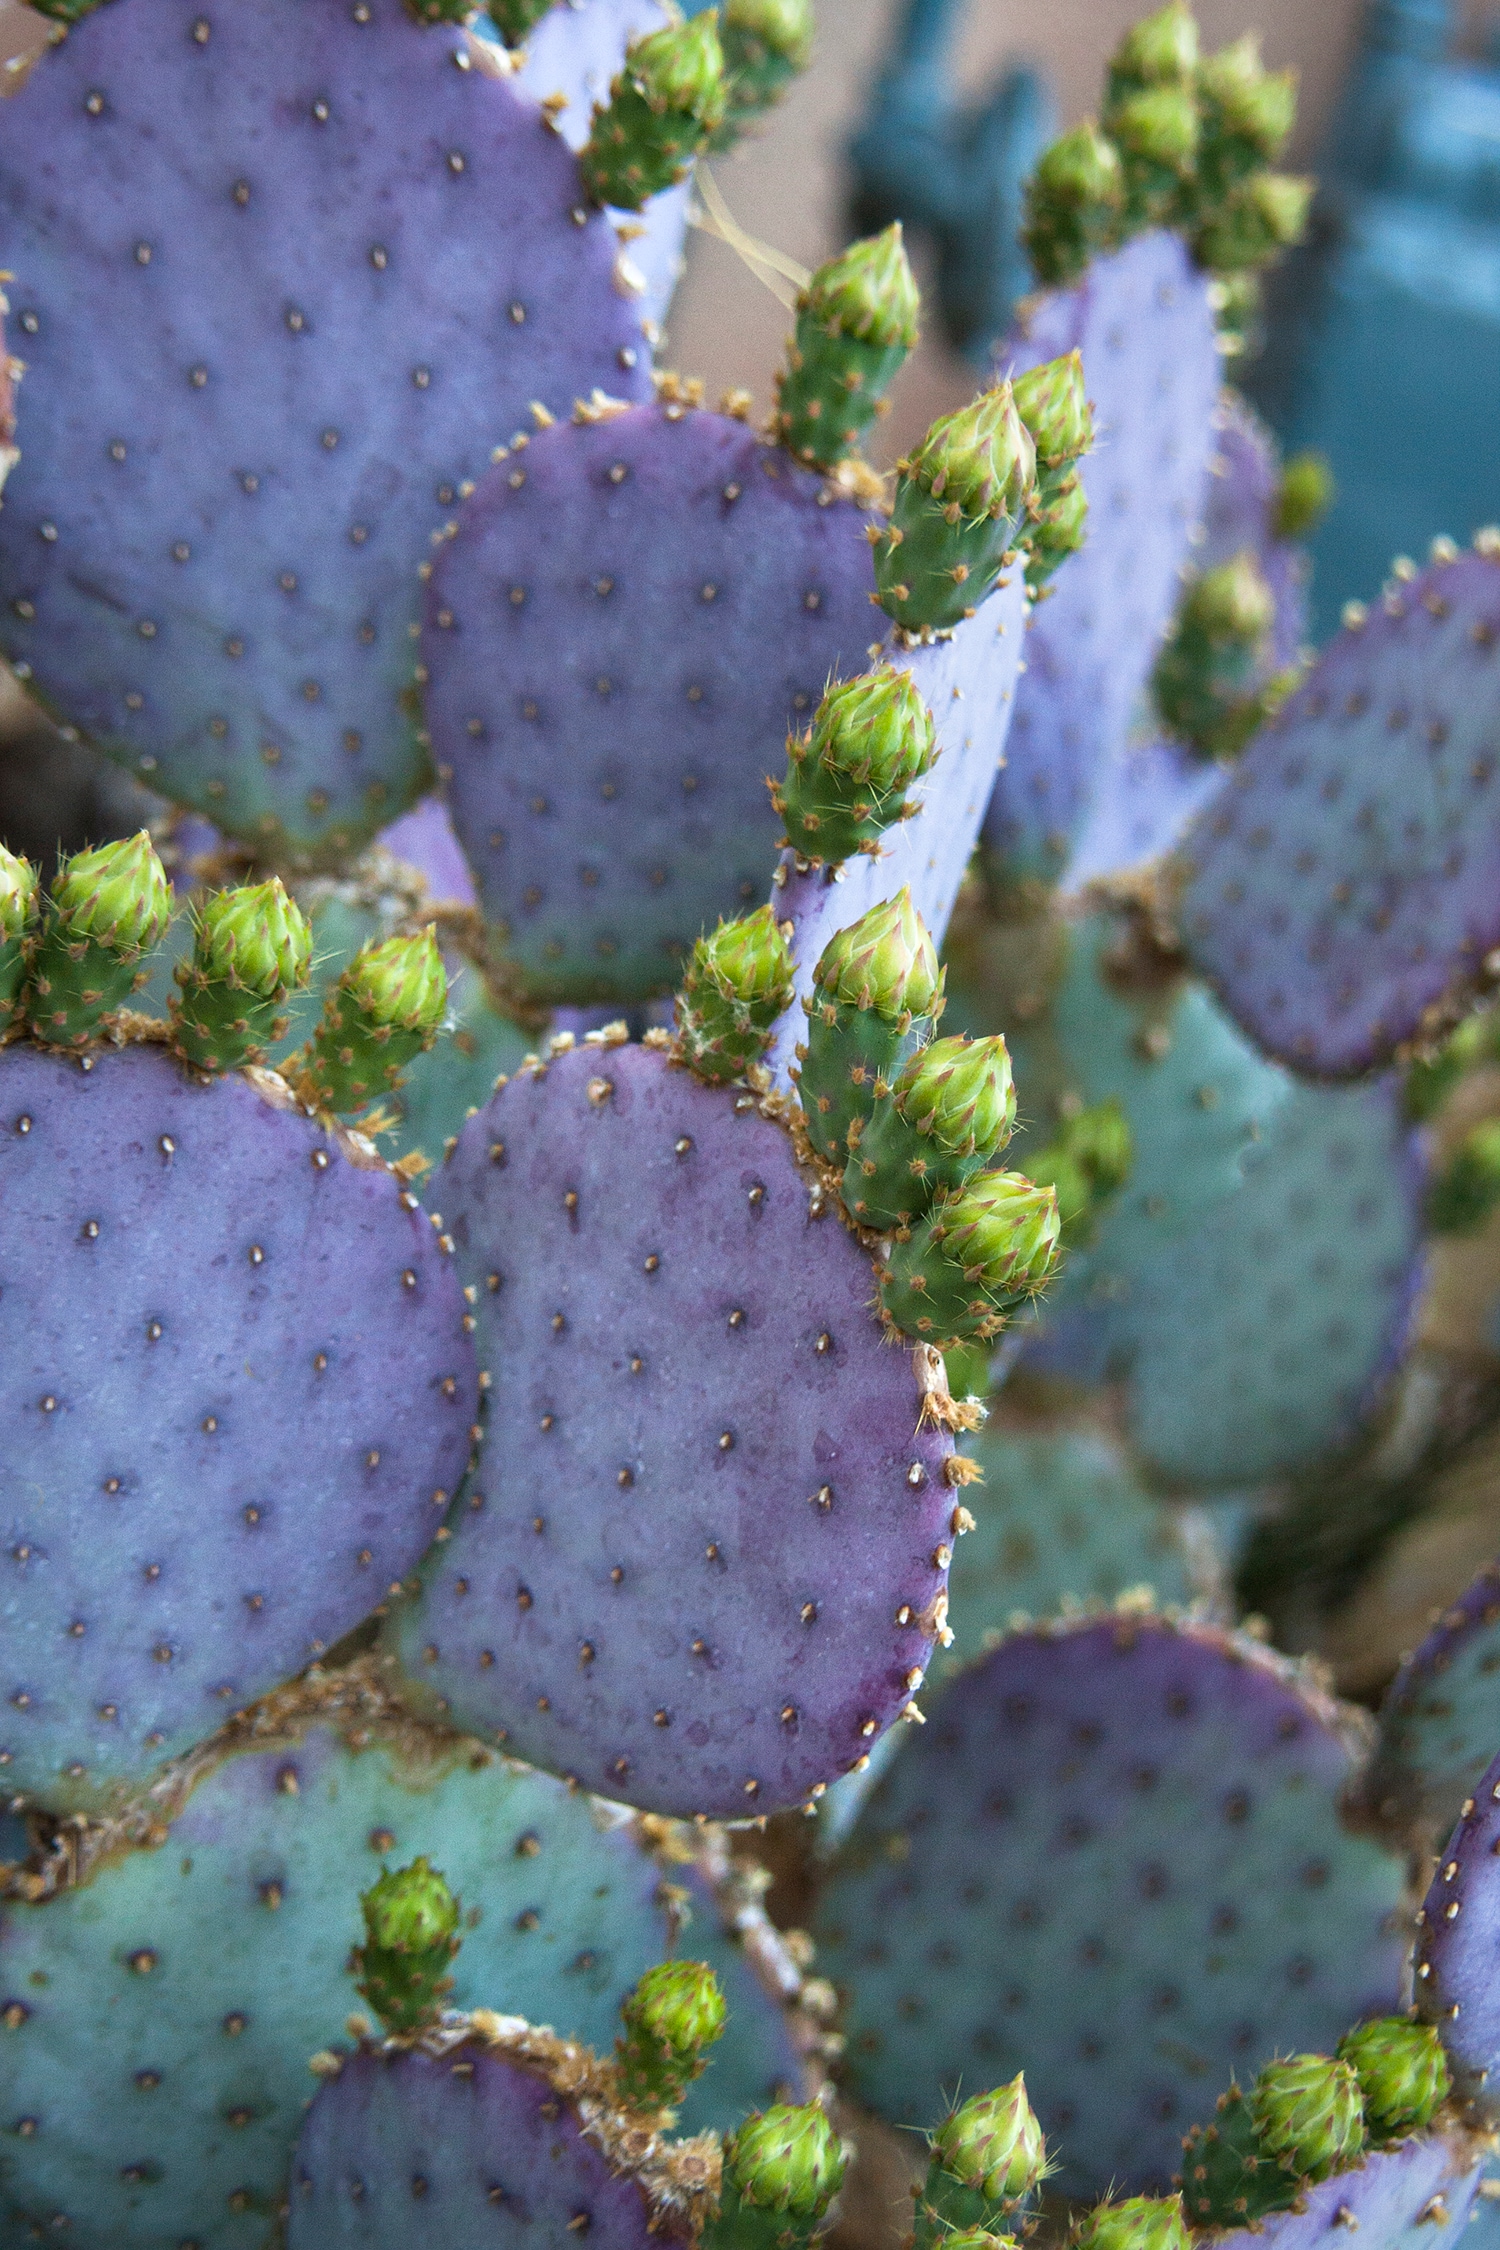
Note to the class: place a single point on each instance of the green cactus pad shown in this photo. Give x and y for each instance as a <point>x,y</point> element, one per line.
<point>877,991</point>
<point>972,1261</point>
<point>105,913</point>
<point>871,738</point>
<point>737,982</point>
<point>856,324</point>
<point>662,108</point>
<point>164,2012</point>
<point>251,951</point>
<point>384,1011</point>
<point>20,902</point>
<point>948,1115</point>
<point>675,2012</point>
<point>961,502</point>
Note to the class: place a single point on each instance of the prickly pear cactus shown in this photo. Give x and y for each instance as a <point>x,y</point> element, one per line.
<point>238,633</point>
<point>1454,1984</point>
<point>1441,1715</point>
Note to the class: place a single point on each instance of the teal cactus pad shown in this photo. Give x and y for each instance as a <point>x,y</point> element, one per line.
<point>1441,1718</point>
<point>1418,2195</point>
<point>235,629</point>
<point>1349,881</point>
<point>171,2004</point>
<point>1114,1857</point>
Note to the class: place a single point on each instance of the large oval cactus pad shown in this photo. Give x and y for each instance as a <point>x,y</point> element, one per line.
<point>1113,1859</point>
<point>237,1396</point>
<point>709,1564</point>
<point>1347,885</point>
<point>632,614</point>
<point>210,548</point>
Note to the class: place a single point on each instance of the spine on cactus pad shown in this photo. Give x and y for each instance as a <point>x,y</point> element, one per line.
<point>252,949</point>
<point>662,109</point>
<point>856,324</point>
<point>106,912</point>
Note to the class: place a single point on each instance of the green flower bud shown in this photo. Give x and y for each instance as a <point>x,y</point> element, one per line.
<point>662,108</point>
<point>1139,2222</point>
<point>856,323</point>
<point>252,948</point>
<point>1160,50</point>
<point>1245,102</point>
<point>885,961</point>
<point>871,737</point>
<point>960,1093</point>
<point>411,1935</point>
<point>410,1910</point>
<point>960,499</point>
<point>766,43</point>
<point>20,906</point>
<point>1056,1166</point>
<point>1467,1190</point>
<point>1304,497</point>
<point>383,1012</point>
<point>787,2160</point>
<point>738,981</point>
<point>1231,605</point>
<point>977,2238</point>
<point>514,18</point>
<point>401,983</point>
<point>1059,531</point>
<point>675,2011</point>
<point>1208,682</point>
<point>1402,2071</point>
<point>1308,2114</point>
<point>994,2145</point>
<point>1158,127</point>
<point>117,896</point>
<point>972,1261</point>
<point>1073,203</point>
<point>1099,1138</point>
<point>108,908</point>
<point>1053,403</point>
<point>1255,224</point>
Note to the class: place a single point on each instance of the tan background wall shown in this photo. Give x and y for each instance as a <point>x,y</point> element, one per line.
<point>787,187</point>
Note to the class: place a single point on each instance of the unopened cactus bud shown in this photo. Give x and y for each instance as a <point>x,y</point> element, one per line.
<point>514,18</point>
<point>1208,680</point>
<point>1231,605</point>
<point>1303,497</point>
<point>877,989</point>
<point>786,2160</point>
<point>856,323</point>
<point>1467,1189</point>
<point>675,2011</point>
<point>1248,111</point>
<point>1160,50</point>
<point>1059,531</point>
<point>1402,2071</point>
<point>766,43</point>
<point>1255,224</point>
<point>665,103</point>
<point>411,1935</point>
<point>384,1011</point>
<point>107,910</point>
<point>993,2149</point>
<point>960,500</point>
<point>1073,204</point>
<point>1156,130</point>
<point>847,777</point>
<point>972,1261</point>
<point>1053,403</point>
<point>251,950</point>
<point>950,1112</point>
<point>1308,2114</point>
<point>1100,1140</point>
<point>20,907</point>
<point>738,981</point>
<point>1138,2222</point>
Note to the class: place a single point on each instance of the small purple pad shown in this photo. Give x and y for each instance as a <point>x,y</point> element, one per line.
<point>1348,880</point>
<point>1415,2196</point>
<point>228,1408</point>
<point>1456,1986</point>
<point>1113,1858</point>
<point>968,682</point>
<point>616,649</point>
<point>709,1544</point>
<point>365,330</point>
<point>1142,320</point>
<point>468,2148</point>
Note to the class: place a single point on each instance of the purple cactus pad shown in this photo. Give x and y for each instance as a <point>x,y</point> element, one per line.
<point>1456,1986</point>
<point>333,270</point>
<point>1346,886</point>
<point>1114,1857</point>
<point>237,1394</point>
<point>632,614</point>
<point>1415,2196</point>
<point>968,682</point>
<point>1142,320</point>
<point>489,2148</point>
<point>709,1561</point>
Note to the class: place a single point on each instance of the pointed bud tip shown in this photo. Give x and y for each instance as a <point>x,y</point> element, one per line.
<point>401,982</point>
<point>787,2159</point>
<point>410,1909</point>
<point>117,895</point>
